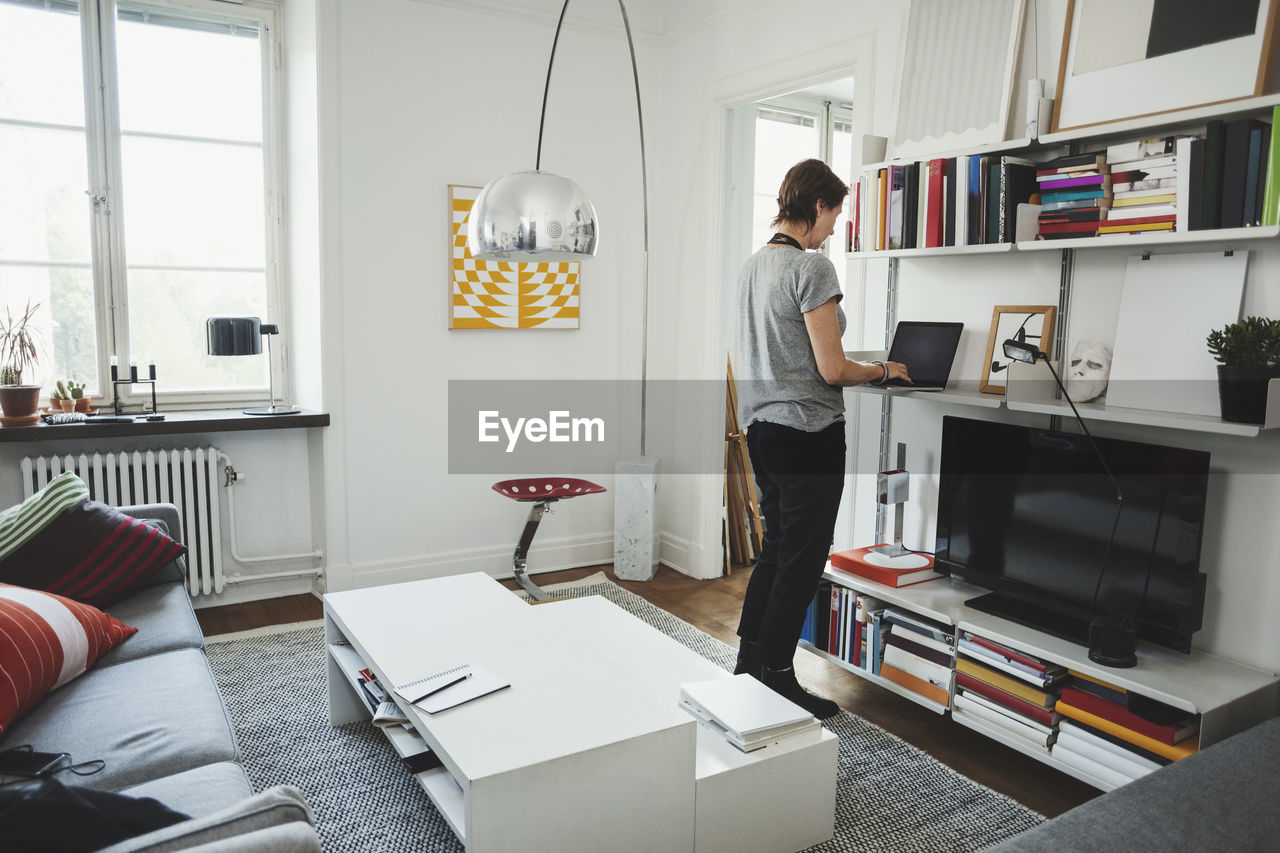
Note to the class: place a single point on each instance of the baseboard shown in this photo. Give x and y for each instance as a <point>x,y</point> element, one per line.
<point>548,555</point>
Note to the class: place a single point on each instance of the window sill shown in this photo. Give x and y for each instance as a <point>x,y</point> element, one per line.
<point>174,423</point>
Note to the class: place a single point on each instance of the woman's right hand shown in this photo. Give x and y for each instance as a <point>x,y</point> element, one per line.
<point>898,370</point>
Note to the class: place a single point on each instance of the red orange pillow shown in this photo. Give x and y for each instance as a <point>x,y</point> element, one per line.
<point>46,641</point>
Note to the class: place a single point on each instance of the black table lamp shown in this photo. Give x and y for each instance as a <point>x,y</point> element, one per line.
<point>243,336</point>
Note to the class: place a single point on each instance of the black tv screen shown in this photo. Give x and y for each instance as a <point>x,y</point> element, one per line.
<point>1029,514</point>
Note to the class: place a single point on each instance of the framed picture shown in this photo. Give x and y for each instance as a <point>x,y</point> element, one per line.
<point>1035,322</point>
<point>957,74</point>
<point>1134,59</point>
<point>504,294</point>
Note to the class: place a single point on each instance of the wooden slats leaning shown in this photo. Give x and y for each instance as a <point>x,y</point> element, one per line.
<point>744,530</point>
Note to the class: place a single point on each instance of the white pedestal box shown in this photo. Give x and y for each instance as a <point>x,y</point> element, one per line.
<point>635,518</point>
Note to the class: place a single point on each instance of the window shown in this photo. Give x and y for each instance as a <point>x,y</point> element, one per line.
<point>786,133</point>
<point>139,179</point>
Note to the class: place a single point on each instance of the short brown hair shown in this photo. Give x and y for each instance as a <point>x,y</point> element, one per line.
<point>807,183</point>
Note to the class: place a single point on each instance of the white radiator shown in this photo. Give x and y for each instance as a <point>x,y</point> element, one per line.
<point>186,477</point>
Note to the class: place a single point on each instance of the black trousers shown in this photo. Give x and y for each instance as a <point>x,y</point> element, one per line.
<point>801,477</point>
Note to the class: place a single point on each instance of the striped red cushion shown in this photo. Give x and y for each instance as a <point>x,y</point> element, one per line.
<point>90,552</point>
<point>45,641</point>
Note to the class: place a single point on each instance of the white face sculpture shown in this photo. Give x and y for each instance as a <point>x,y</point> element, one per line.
<point>1088,370</point>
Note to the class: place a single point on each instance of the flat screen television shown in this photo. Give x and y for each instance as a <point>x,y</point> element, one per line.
<point>1029,514</point>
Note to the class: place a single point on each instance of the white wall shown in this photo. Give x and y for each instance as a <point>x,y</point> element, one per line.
<point>419,96</point>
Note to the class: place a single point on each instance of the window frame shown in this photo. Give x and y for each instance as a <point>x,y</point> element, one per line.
<point>109,196</point>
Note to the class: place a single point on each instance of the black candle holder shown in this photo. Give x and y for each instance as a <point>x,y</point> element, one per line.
<point>133,379</point>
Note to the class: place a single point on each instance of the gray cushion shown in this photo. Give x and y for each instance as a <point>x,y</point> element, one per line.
<point>239,826</point>
<point>147,718</point>
<point>165,621</point>
<point>200,791</point>
<point>1221,798</point>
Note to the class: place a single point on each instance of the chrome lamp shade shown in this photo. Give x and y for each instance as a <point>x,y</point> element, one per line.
<point>532,216</point>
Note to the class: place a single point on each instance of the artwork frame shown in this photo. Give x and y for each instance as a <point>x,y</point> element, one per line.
<point>1103,77</point>
<point>505,294</point>
<point>1005,323</point>
<point>938,80</point>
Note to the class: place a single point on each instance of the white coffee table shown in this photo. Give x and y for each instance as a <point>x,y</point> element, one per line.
<point>587,750</point>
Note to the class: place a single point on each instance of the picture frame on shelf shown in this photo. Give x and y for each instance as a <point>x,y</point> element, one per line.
<point>1122,61</point>
<point>1035,322</point>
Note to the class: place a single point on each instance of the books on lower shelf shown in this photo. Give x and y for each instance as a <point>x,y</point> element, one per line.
<point>749,715</point>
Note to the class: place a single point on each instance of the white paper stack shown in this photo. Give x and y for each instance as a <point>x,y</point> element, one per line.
<point>747,713</point>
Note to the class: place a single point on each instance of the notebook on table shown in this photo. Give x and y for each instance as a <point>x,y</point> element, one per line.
<point>927,349</point>
<point>450,688</point>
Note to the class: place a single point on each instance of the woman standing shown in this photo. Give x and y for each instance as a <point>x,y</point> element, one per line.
<point>791,369</point>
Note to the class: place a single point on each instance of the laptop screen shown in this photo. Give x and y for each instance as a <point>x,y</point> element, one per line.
<point>927,349</point>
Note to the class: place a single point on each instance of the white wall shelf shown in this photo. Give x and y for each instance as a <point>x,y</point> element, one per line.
<point>1177,120</point>
<point>956,393</point>
<point>985,148</point>
<point>979,249</point>
<point>940,600</point>
<point>1032,389</point>
<point>1153,239</point>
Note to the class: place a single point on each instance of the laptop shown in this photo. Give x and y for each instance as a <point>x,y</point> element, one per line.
<point>927,349</point>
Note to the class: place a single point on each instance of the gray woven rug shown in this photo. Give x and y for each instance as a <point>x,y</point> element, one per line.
<point>890,796</point>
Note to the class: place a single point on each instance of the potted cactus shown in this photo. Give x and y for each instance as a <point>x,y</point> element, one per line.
<point>76,390</point>
<point>18,353</point>
<point>1249,352</point>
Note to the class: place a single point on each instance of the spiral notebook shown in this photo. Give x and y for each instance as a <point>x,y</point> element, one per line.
<point>450,688</point>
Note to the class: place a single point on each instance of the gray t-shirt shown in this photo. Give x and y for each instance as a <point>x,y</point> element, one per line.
<point>777,375</point>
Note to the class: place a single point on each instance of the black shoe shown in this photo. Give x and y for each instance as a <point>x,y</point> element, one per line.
<point>748,659</point>
<point>783,682</point>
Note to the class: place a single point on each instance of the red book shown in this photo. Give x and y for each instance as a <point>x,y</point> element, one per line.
<point>1012,654</point>
<point>1008,700</point>
<point>935,213</point>
<point>1168,733</point>
<point>864,563</point>
<point>1138,220</point>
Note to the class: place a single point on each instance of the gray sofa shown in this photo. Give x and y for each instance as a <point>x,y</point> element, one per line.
<point>151,710</point>
<point>1221,798</point>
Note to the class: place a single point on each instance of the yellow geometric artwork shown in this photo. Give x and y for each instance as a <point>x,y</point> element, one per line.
<point>501,294</point>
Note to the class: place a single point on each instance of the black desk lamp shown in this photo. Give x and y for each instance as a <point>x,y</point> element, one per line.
<point>1112,636</point>
<point>243,336</point>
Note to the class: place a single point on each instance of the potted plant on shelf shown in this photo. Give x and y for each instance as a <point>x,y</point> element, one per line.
<point>18,353</point>
<point>76,390</point>
<point>1249,352</point>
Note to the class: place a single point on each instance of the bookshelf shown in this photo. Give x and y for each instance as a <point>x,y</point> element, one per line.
<point>1228,696</point>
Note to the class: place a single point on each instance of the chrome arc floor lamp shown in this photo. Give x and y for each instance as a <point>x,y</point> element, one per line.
<point>540,217</point>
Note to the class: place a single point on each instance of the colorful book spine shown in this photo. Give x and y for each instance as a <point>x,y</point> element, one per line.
<point>1271,187</point>
<point>1175,752</point>
<point>914,684</point>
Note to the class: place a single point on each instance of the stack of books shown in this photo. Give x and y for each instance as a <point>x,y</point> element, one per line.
<point>1144,182</point>
<point>1008,690</point>
<point>1117,736</point>
<point>890,571</point>
<point>919,654</point>
<point>745,712</point>
<point>1075,196</point>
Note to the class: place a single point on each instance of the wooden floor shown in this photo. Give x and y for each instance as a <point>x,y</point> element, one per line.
<point>713,606</point>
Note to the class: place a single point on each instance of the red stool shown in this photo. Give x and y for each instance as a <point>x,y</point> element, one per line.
<point>541,492</point>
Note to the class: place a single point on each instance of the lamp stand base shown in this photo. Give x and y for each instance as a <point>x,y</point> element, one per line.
<point>274,410</point>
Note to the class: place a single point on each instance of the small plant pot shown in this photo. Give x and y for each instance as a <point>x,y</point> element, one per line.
<point>82,404</point>
<point>68,405</point>
<point>55,404</point>
<point>1242,392</point>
